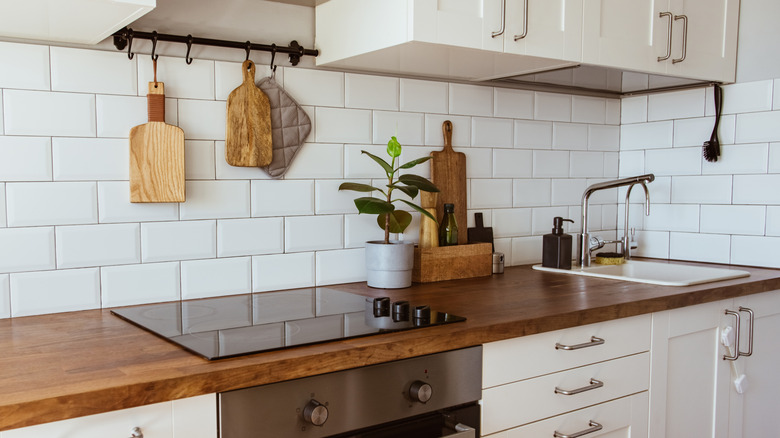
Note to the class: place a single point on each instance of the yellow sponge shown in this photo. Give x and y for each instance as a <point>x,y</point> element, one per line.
<point>609,258</point>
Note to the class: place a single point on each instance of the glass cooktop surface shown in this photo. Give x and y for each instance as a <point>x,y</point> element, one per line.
<point>235,325</point>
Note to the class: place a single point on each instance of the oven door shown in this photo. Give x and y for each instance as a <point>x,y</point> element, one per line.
<point>460,422</point>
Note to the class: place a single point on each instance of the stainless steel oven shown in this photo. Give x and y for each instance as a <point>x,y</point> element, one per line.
<point>424,397</point>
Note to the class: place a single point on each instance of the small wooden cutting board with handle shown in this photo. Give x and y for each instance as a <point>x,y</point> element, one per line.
<point>448,172</point>
<point>248,129</point>
<point>156,155</point>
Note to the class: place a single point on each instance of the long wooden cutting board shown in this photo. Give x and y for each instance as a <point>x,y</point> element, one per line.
<point>448,172</point>
<point>248,126</point>
<point>156,155</point>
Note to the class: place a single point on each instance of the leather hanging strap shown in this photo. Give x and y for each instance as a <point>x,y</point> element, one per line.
<point>155,100</point>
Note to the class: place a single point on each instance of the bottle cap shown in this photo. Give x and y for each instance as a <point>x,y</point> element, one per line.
<point>449,208</point>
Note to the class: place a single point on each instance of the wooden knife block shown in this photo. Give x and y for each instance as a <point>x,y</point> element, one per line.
<point>452,262</point>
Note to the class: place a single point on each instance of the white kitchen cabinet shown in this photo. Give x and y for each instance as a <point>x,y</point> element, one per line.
<point>185,418</point>
<point>635,35</point>
<point>549,29</point>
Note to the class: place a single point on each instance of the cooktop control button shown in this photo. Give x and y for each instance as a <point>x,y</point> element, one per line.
<point>422,312</point>
<point>420,391</point>
<point>381,307</point>
<point>401,311</point>
<point>315,413</point>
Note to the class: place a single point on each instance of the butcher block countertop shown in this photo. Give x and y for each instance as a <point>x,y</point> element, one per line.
<point>66,365</point>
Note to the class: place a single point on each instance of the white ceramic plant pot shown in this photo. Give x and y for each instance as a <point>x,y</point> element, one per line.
<point>389,266</point>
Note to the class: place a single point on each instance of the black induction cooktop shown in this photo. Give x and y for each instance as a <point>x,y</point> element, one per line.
<point>217,328</point>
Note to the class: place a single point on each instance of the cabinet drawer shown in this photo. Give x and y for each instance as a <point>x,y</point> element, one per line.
<point>525,357</point>
<point>523,402</point>
<point>625,418</point>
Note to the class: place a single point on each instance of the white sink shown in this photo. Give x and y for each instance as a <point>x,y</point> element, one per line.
<point>664,274</point>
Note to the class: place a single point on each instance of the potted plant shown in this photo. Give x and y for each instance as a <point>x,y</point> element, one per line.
<point>389,263</point>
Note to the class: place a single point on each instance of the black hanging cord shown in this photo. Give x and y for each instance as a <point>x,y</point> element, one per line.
<point>124,38</point>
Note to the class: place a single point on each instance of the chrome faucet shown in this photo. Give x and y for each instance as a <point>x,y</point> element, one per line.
<point>586,244</point>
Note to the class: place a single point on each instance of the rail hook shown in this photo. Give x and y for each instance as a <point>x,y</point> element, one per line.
<point>154,46</point>
<point>273,55</point>
<point>248,49</point>
<point>187,58</point>
<point>129,43</point>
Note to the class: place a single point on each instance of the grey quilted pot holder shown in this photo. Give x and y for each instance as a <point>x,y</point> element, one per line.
<point>289,127</point>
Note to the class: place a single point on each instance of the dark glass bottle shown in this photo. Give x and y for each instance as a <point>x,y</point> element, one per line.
<point>448,228</point>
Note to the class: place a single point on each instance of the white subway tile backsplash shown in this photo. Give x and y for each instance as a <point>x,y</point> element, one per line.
<point>229,75</point>
<point>202,119</point>
<point>603,138</point>
<point>511,222</point>
<point>542,219</point>
<point>48,114</point>
<point>652,244</point>
<point>776,95</point>
<point>282,198</point>
<point>114,205</point>
<point>361,228</point>
<point>240,237</point>
<point>611,164</point>
<point>753,127</point>
<point>36,293</point>
<point>589,110</point>
<point>315,87</point>
<point>727,129</point>
<point>92,71</point>
<point>108,159</point>
<point>531,192</point>
<point>551,164</point>
<point>553,107</point>
<point>678,161</point>
<point>140,284</point>
<point>2,206</point>
<point>479,162</point>
<point>773,221</point>
<point>490,193</point>
<point>633,109</point>
<point>282,271</point>
<point>336,125</point>
<point>117,115</point>
<point>733,219</point>
<point>701,189</point>
<point>646,135</point>
<point>609,217</point>
<point>512,163</point>
<point>371,92</point>
<point>755,251</point>
<point>514,104</point>
<point>470,100</point>
<point>342,266</point>
<point>747,97</point>
<point>31,204</point>
<point>676,105</point>
<point>359,165</point>
<point>713,248</point>
<point>774,158</point>
<point>491,132</point>
<point>25,66</point>
<point>660,191</point>
<point>328,199</point>
<point>739,159</point>
<point>5,296</point>
<point>673,217</point>
<point>408,128</point>
<point>83,246</point>
<point>533,135</point>
<point>216,277</point>
<point>311,233</point>
<point>568,191</point>
<point>755,189</point>
<point>25,159</point>
<point>613,111</point>
<point>461,130</point>
<point>424,96</point>
<point>26,249</point>
<point>182,80</point>
<point>570,136</point>
<point>216,200</point>
<point>526,250</point>
<point>692,132</point>
<point>317,160</point>
<point>412,153</point>
<point>199,159</point>
<point>185,240</point>
<point>631,163</point>
<point>226,171</point>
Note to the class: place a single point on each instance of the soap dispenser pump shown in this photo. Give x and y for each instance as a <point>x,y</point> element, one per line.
<point>556,247</point>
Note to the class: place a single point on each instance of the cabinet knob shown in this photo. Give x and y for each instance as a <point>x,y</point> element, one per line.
<point>420,391</point>
<point>315,413</point>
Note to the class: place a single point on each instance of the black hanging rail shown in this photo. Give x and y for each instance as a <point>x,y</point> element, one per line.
<point>124,38</point>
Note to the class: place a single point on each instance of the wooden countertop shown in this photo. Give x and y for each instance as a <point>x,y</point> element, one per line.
<point>66,365</point>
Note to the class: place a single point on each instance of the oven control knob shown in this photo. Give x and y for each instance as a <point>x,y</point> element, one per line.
<point>315,413</point>
<point>420,391</point>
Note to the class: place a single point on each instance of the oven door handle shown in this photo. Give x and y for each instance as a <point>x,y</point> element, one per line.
<point>462,431</point>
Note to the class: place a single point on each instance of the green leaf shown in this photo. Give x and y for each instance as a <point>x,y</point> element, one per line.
<point>421,210</point>
<point>413,163</point>
<point>357,187</point>
<point>393,147</point>
<point>399,220</point>
<point>419,182</point>
<point>371,205</point>
<point>410,191</point>
<point>381,162</point>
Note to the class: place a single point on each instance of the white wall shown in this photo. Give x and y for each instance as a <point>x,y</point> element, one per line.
<point>71,240</point>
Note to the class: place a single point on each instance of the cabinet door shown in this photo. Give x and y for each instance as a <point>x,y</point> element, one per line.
<point>553,28</point>
<point>459,23</point>
<point>625,34</point>
<point>755,412</point>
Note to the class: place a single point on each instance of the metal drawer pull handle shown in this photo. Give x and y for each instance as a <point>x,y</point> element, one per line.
<point>462,431</point>
<point>593,342</point>
<point>684,18</point>
<point>593,385</point>
<point>736,337</point>
<point>136,433</point>
<point>668,38</point>
<point>750,331</point>
<point>594,427</point>
<point>503,21</point>
<point>525,22</point>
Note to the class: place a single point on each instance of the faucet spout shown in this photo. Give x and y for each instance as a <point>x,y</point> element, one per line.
<point>626,241</point>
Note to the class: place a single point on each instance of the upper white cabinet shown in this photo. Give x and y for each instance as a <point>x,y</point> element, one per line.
<point>684,38</point>
<point>72,21</point>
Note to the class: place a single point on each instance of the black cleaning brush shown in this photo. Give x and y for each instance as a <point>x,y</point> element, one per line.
<point>712,148</point>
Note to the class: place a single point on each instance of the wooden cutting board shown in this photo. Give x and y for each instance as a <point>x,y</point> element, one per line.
<point>480,233</point>
<point>156,155</point>
<point>448,172</point>
<point>248,125</point>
